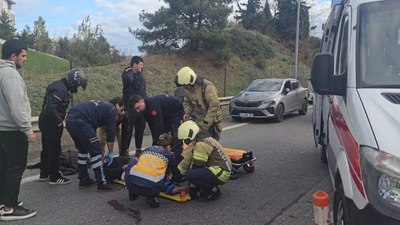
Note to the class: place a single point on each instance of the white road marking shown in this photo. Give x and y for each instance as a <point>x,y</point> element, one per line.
<point>29,179</point>
<point>235,126</point>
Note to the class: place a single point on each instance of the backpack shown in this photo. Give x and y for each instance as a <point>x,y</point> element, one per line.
<point>69,162</point>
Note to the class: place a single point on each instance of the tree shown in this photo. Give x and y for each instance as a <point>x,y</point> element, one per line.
<point>7,29</point>
<point>286,18</point>
<point>63,48</point>
<point>41,36</point>
<point>89,47</point>
<point>187,24</point>
<point>27,36</point>
<point>250,17</point>
<point>267,11</point>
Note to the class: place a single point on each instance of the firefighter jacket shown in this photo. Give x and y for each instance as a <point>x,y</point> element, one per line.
<point>161,112</point>
<point>133,84</point>
<point>150,168</point>
<point>202,103</point>
<point>97,114</point>
<point>209,153</point>
<point>56,102</point>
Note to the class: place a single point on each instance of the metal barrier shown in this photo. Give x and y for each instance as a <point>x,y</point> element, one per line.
<point>223,101</point>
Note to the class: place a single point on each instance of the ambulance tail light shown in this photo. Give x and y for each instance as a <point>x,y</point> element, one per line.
<point>381,177</point>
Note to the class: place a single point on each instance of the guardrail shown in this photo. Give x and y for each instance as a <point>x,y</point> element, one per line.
<point>223,101</point>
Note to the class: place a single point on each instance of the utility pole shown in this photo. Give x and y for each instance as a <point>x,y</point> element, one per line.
<point>296,60</point>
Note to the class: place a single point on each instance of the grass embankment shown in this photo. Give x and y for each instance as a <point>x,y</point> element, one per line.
<point>105,82</point>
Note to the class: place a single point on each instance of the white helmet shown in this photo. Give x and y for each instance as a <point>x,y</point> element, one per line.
<point>185,76</point>
<point>188,130</point>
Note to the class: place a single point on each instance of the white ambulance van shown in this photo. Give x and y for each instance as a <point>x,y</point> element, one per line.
<point>356,116</point>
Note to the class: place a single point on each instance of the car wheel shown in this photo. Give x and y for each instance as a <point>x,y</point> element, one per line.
<point>304,108</point>
<point>340,208</point>
<point>279,113</point>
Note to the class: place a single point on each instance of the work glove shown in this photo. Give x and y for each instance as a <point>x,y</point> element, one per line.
<point>108,159</point>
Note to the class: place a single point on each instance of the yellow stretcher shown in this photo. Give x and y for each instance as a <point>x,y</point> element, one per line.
<point>180,197</point>
<point>239,158</point>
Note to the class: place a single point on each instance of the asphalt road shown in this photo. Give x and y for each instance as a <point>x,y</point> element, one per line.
<point>288,171</point>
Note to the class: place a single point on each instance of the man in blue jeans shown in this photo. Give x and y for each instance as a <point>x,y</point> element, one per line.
<point>15,130</point>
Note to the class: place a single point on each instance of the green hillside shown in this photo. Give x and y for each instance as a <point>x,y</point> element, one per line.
<point>105,83</point>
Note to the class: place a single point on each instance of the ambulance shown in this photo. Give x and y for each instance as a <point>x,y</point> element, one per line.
<point>356,115</point>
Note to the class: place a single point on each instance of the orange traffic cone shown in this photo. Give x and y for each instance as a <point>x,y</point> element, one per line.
<point>321,208</point>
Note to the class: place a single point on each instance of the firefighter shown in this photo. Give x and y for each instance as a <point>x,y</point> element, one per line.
<point>201,103</point>
<point>205,164</point>
<point>81,122</point>
<point>57,98</point>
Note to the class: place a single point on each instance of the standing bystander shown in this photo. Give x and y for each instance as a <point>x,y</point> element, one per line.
<point>133,84</point>
<point>57,98</point>
<point>15,130</point>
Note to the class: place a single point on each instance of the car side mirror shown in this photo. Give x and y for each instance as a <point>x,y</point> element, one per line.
<point>287,90</point>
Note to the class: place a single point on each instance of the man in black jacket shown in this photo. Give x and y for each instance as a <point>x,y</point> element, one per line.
<point>163,113</point>
<point>134,83</point>
<point>55,104</point>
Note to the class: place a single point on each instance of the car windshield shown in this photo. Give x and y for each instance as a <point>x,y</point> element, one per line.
<point>379,50</point>
<point>265,86</point>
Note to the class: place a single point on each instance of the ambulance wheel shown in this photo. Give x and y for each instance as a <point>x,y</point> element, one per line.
<point>340,208</point>
<point>324,159</point>
<point>249,167</point>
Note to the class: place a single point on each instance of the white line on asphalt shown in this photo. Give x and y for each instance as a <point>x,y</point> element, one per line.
<point>235,126</point>
<point>29,179</point>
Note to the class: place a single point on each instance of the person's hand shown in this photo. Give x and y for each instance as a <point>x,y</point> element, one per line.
<point>108,159</point>
<point>186,117</point>
<point>31,137</point>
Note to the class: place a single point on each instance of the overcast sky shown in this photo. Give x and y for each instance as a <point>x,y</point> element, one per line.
<point>114,16</point>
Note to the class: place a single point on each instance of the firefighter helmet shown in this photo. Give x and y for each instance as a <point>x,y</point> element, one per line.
<point>76,77</point>
<point>185,76</point>
<point>188,130</point>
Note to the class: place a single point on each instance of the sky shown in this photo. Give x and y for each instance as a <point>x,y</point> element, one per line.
<point>63,17</point>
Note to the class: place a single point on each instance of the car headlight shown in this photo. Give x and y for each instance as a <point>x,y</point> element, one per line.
<point>381,176</point>
<point>268,102</point>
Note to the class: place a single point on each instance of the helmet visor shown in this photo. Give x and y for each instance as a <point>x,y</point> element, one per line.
<point>84,84</point>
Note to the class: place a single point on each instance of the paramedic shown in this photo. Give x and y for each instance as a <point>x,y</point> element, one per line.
<point>163,113</point>
<point>146,175</point>
<point>81,122</point>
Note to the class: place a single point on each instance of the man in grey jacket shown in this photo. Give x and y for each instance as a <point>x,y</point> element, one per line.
<point>15,130</point>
